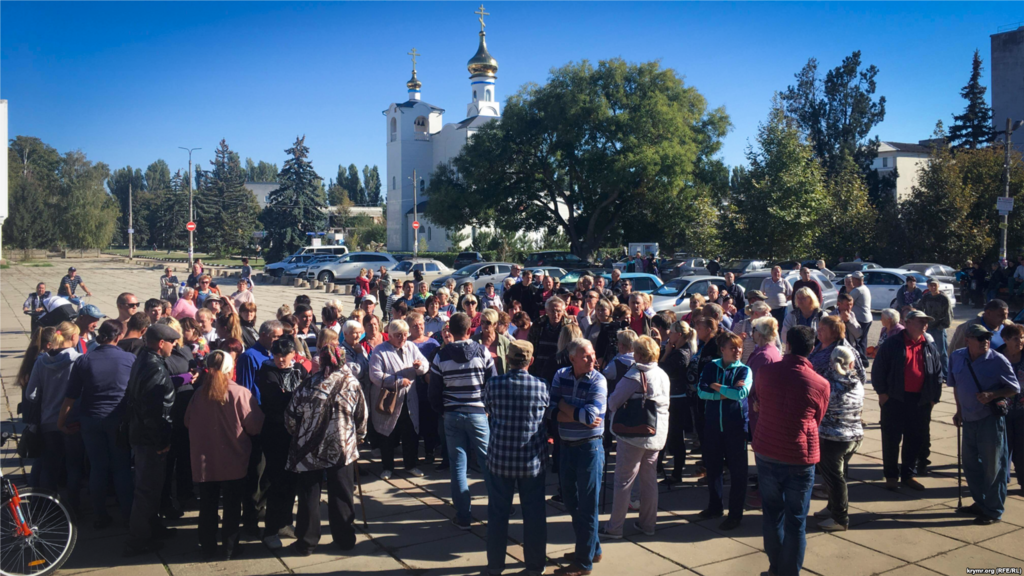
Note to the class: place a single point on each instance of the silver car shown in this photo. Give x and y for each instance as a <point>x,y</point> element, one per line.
<point>675,294</point>
<point>829,291</point>
<point>346,269</point>
<point>478,275</point>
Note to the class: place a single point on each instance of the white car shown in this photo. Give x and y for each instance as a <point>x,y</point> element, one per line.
<point>478,275</point>
<point>299,270</point>
<point>430,269</point>
<point>346,269</point>
<point>883,283</point>
<point>279,269</point>
<point>675,294</point>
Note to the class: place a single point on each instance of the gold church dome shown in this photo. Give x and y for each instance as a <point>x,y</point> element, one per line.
<point>482,62</point>
<point>414,82</point>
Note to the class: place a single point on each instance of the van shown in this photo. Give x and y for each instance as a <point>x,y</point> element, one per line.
<point>334,250</point>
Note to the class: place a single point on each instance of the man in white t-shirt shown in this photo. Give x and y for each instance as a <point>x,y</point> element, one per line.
<point>778,292</point>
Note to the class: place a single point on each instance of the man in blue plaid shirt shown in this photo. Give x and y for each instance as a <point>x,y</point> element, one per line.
<point>516,403</point>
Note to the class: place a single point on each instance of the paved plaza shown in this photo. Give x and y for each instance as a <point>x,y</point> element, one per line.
<point>901,533</point>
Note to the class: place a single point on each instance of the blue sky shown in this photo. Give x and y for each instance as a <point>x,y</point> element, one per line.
<point>129,82</point>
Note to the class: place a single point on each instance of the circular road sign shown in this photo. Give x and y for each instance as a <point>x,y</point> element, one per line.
<point>415,224</point>
<point>191,226</point>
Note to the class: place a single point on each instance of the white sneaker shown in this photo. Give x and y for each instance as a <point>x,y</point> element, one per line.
<point>646,532</point>
<point>273,542</point>
<point>823,513</point>
<point>634,505</point>
<point>416,472</point>
<point>831,525</point>
<point>385,475</point>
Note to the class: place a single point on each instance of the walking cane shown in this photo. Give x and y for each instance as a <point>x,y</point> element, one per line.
<point>362,502</point>
<point>959,478</point>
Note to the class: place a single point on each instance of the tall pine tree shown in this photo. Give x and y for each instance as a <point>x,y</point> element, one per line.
<point>371,184</point>
<point>227,213</point>
<point>354,186</point>
<point>973,128</point>
<point>172,216</point>
<point>298,206</point>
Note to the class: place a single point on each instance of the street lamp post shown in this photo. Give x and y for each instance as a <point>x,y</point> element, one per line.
<point>1011,127</point>
<point>415,216</point>
<point>191,217</point>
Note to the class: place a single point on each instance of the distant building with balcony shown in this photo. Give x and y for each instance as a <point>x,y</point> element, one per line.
<point>1007,66</point>
<point>907,160</point>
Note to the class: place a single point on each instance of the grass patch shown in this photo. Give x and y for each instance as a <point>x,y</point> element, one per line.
<point>4,266</point>
<point>34,264</point>
<point>180,255</point>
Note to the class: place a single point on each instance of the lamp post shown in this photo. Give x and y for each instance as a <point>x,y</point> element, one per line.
<point>415,216</point>
<point>1011,127</point>
<point>191,217</point>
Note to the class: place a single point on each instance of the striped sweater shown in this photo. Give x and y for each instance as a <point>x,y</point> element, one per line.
<point>588,394</point>
<point>457,377</point>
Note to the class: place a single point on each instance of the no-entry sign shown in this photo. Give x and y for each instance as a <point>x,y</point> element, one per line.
<point>415,224</point>
<point>191,226</point>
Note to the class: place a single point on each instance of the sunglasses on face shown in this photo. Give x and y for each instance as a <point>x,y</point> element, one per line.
<point>132,305</point>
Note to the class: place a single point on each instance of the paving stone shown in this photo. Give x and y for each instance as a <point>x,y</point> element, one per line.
<point>375,564</point>
<point>1008,544</point>
<point>690,546</point>
<point>750,564</point>
<point>829,555</point>
<point>909,570</point>
<point>945,521</point>
<point>903,540</point>
<point>326,551</point>
<point>624,557</point>
<point>464,554</point>
<point>956,562</point>
<point>410,529</point>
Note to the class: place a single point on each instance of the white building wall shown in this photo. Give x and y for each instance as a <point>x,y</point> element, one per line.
<point>411,150</point>
<point>909,170</point>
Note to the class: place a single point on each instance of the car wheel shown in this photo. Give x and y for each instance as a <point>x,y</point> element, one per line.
<point>326,276</point>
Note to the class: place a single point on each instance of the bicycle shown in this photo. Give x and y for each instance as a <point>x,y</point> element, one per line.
<point>37,532</point>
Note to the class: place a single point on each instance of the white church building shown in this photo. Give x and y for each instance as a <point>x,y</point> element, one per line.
<point>418,140</point>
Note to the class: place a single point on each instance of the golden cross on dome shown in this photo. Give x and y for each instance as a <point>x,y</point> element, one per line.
<point>482,14</point>
<point>414,54</point>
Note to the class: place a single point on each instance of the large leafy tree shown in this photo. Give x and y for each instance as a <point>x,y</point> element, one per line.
<point>371,184</point>
<point>31,181</point>
<point>260,172</point>
<point>973,129</point>
<point>781,197</point>
<point>171,216</point>
<point>349,180</point>
<point>298,206</point>
<point>848,220</point>
<point>118,185</point>
<point>88,214</point>
<point>158,176</point>
<point>591,150</point>
<point>227,213</point>
<point>836,113</point>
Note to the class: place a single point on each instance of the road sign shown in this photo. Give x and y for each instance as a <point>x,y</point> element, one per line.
<point>415,224</point>
<point>1004,204</point>
<point>191,226</point>
<point>131,230</point>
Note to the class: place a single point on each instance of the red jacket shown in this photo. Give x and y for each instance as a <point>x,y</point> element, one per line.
<point>792,400</point>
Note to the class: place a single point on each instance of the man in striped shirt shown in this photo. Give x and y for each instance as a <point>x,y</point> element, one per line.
<point>457,377</point>
<point>517,403</point>
<point>579,394</point>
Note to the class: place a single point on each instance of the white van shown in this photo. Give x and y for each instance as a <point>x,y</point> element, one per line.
<point>317,250</point>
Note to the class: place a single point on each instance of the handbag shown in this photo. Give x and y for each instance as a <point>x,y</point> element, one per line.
<point>638,417</point>
<point>999,406</point>
<point>387,401</point>
<point>31,444</point>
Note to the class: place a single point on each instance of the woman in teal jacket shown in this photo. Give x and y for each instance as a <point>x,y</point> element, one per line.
<point>724,386</point>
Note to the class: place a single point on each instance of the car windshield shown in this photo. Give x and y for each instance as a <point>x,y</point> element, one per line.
<point>737,264</point>
<point>466,270</point>
<point>922,280</point>
<point>750,282</point>
<point>674,287</point>
<point>573,276</point>
<point>404,266</point>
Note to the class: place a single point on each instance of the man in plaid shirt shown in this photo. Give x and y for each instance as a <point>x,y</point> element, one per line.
<point>516,403</point>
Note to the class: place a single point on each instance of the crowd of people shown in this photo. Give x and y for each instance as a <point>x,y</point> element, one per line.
<point>187,402</point>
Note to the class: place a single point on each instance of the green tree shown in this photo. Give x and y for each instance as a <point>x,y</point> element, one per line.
<point>592,149</point>
<point>836,113</point>
<point>298,206</point>
<point>848,221</point>
<point>87,214</point>
<point>261,172</point>
<point>118,185</point>
<point>353,186</point>
<point>227,213</point>
<point>781,199</point>
<point>973,128</point>
<point>158,176</point>
<point>371,184</point>
<point>171,216</point>
<point>31,181</point>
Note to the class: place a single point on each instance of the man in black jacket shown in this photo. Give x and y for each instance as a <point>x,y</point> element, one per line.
<point>544,337</point>
<point>150,397</point>
<point>526,295</point>
<point>906,374</point>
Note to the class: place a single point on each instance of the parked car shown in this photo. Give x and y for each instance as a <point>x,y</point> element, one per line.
<point>940,272</point>
<point>689,267</point>
<point>347,268</point>
<point>675,294</point>
<point>883,283</point>
<point>741,267</point>
<point>476,274</point>
<point>299,271</point>
<point>829,290</point>
<point>641,281</point>
<point>334,250</point>
<point>788,265</point>
<point>844,269</point>
<point>430,269</point>
<point>278,269</point>
<point>560,258</point>
<point>467,258</point>
<point>572,277</point>
<point>553,271</point>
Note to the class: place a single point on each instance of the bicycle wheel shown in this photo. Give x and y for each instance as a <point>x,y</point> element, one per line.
<point>49,545</point>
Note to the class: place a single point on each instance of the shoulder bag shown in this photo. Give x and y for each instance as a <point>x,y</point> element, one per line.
<point>387,401</point>
<point>638,417</point>
<point>999,406</point>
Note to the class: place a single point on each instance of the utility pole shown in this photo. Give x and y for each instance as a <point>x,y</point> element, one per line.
<point>1011,126</point>
<point>415,216</point>
<point>191,216</point>
<point>131,223</point>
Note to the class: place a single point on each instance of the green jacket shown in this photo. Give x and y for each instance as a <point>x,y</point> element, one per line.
<point>501,351</point>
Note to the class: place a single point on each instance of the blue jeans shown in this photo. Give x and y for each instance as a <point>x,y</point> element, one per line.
<point>785,498</point>
<point>76,301</point>
<point>942,345</point>
<point>500,491</point>
<point>580,472</point>
<point>467,434</point>
<point>108,460</point>
<point>986,458</point>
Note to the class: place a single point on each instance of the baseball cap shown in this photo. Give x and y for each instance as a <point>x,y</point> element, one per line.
<point>918,315</point>
<point>933,281</point>
<point>519,351</point>
<point>213,298</point>
<point>978,332</point>
<point>162,332</point>
<point>370,298</point>
<point>92,311</point>
<point>72,269</point>
<point>756,294</point>
<point>858,275</point>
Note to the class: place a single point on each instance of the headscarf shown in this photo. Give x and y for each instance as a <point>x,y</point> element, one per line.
<point>332,358</point>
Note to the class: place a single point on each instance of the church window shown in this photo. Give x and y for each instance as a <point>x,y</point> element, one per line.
<point>423,186</point>
<point>474,94</point>
<point>392,182</point>
<point>487,95</point>
<point>429,230</point>
<point>394,129</point>
<point>420,124</point>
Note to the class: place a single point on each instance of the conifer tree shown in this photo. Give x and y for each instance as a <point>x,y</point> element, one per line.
<point>973,128</point>
<point>297,207</point>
